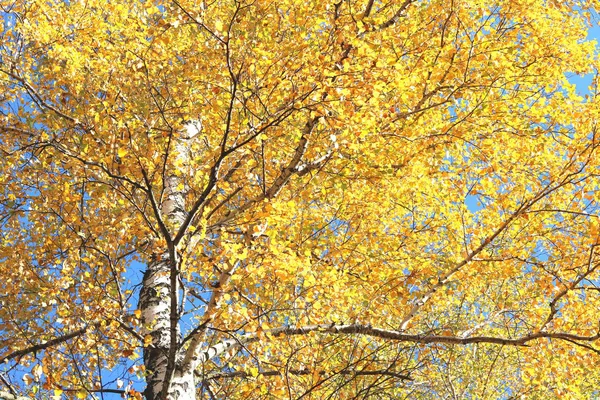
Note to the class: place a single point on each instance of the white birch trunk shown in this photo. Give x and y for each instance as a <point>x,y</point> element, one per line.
<point>155,295</point>
<point>183,385</point>
<point>155,305</point>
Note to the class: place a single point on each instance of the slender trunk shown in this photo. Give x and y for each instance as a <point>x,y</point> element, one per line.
<point>157,292</point>
<point>155,305</point>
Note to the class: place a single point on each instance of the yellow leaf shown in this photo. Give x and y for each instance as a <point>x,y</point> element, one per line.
<point>28,379</point>
<point>37,372</point>
<point>147,340</point>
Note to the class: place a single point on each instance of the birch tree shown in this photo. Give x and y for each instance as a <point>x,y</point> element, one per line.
<point>298,199</point>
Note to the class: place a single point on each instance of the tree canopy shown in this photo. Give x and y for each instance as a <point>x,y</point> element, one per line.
<point>237,199</point>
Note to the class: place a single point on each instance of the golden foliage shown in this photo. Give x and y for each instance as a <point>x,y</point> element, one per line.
<point>425,167</point>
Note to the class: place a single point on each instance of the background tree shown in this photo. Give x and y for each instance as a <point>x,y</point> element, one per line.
<point>298,199</point>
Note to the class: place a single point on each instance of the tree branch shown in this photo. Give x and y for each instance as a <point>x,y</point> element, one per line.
<point>367,330</point>
<point>244,374</point>
<point>45,345</point>
<point>397,15</point>
<point>368,8</point>
<point>283,177</point>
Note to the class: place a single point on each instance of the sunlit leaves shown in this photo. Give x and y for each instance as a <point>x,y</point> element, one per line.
<point>449,187</point>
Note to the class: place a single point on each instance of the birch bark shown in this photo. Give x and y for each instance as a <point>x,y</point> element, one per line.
<point>160,291</point>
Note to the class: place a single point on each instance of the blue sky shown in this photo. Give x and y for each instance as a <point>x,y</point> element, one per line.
<point>583,82</point>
